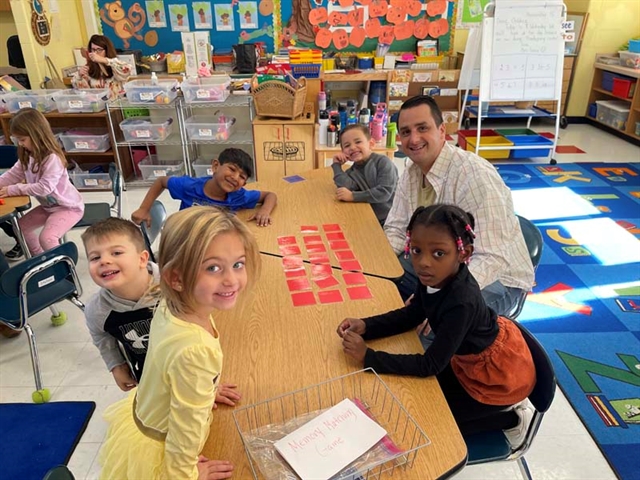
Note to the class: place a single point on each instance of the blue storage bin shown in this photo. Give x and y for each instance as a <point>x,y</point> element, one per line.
<point>607,81</point>
<point>533,140</point>
<point>634,46</point>
<point>593,110</point>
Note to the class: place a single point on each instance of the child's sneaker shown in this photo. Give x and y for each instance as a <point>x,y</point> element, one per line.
<point>15,253</point>
<point>517,434</point>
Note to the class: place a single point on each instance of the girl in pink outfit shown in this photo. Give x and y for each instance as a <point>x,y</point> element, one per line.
<point>41,172</point>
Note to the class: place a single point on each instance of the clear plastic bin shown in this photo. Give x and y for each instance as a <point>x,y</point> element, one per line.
<point>41,100</point>
<point>202,168</point>
<point>142,129</point>
<point>206,90</point>
<point>218,128</point>
<point>613,113</point>
<point>88,100</point>
<point>90,180</point>
<point>3,106</point>
<point>630,59</point>
<point>85,140</point>
<point>145,92</point>
<point>152,168</point>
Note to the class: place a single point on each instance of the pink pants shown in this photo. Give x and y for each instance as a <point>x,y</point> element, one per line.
<point>55,224</point>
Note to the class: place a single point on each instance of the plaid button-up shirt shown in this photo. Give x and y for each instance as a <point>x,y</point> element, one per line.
<point>463,179</point>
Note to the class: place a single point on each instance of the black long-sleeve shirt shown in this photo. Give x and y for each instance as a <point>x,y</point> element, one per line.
<point>460,319</point>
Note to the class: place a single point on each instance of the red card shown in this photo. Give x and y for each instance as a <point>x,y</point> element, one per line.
<point>327,282</point>
<point>298,272</point>
<point>353,265</point>
<point>290,240</point>
<point>359,293</point>
<point>321,271</point>
<point>312,239</point>
<point>289,250</point>
<point>302,299</point>
<point>292,262</point>
<point>355,278</point>
<point>317,258</point>
<point>339,245</point>
<point>316,248</point>
<point>335,236</point>
<point>331,227</point>
<point>296,284</point>
<point>309,229</point>
<point>330,296</point>
<point>344,255</point>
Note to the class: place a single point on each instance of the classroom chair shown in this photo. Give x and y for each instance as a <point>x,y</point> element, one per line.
<point>61,472</point>
<point>33,285</point>
<point>493,446</point>
<point>534,242</point>
<point>94,212</point>
<point>150,233</point>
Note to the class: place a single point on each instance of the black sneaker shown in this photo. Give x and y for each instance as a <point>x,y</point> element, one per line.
<point>15,253</point>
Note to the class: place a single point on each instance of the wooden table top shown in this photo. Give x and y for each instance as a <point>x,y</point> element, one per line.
<point>313,202</point>
<point>272,348</point>
<point>11,204</point>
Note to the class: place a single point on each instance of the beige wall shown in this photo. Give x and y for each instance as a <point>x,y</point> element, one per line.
<point>7,29</point>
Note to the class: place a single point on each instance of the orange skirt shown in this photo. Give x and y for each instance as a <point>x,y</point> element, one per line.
<point>502,374</point>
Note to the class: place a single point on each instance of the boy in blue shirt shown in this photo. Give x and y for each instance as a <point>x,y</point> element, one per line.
<point>224,189</point>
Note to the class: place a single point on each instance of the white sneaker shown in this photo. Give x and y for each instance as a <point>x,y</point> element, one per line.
<point>517,434</point>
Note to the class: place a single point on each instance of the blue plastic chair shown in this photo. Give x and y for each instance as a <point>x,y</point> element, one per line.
<point>34,285</point>
<point>158,216</point>
<point>61,472</point>
<point>493,446</point>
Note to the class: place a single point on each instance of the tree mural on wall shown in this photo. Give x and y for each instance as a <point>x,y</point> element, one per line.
<point>299,20</point>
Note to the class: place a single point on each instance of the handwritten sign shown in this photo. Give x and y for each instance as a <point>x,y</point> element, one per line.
<point>331,441</point>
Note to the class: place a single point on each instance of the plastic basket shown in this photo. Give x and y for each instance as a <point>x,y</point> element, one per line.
<point>308,70</point>
<point>278,99</point>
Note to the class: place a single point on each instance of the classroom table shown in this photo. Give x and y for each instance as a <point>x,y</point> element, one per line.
<point>12,206</point>
<point>272,348</point>
<point>313,202</point>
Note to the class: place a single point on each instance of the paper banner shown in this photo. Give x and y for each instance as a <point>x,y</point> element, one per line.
<point>224,17</point>
<point>248,12</point>
<point>155,14</point>
<point>179,18</point>
<point>202,17</point>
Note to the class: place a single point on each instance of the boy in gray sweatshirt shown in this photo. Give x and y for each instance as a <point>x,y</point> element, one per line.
<point>121,311</point>
<point>372,178</point>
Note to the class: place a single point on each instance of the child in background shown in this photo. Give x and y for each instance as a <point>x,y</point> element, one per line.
<point>224,189</point>
<point>482,361</point>
<point>207,258</point>
<point>42,168</point>
<point>122,309</point>
<point>372,178</point>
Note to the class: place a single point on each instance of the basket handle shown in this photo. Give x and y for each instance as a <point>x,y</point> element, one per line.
<point>302,82</point>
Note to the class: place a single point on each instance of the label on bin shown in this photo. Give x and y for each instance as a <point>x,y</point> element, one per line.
<point>25,105</point>
<point>205,132</point>
<point>160,173</point>
<point>142,133</point>
<point>91,182</point>
<point>82,145</point>
<point>75,104</point>
<point>203,94</point>
<point>147,97</point>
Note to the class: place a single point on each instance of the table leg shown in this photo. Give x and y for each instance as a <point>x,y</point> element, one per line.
<point>19,236</point>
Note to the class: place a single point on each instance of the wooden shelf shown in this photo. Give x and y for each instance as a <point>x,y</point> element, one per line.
<point>629,72</point>
<point>363,76</point>
<point>600,90</point>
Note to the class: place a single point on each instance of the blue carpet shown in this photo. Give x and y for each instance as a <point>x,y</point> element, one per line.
<point>585,306</point>
<point>35,438</point>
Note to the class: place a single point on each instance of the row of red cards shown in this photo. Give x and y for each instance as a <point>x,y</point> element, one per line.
<point>322,273</point>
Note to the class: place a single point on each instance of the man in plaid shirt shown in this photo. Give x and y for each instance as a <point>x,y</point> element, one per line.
<point>441,173</point>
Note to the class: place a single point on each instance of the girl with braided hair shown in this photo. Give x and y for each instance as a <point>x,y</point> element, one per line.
<point>481,360</point>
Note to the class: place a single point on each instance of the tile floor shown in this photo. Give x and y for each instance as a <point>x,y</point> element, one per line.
<point>73,370</point>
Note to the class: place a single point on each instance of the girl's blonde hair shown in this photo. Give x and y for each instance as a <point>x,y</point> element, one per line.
<point>183,244</point>
<point>29,122</point>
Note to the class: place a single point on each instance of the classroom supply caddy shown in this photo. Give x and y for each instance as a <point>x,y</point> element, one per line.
<point>278,99</point>
<point>90,100</point>
<point>206,90</point>
<point>262,424</point>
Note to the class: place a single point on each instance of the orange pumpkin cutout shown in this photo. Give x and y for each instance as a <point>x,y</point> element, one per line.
<point>378,8</point>
<point>340,38</point>
<point>414,7</point>
<point>397,3</point>
<point>357,36</point>
<point>356,17</point>
<point>323,38</point>
<point>395,15</point>
<point>318,16</point>
<point>365,2</point>
<point>404,30</point>
<point>436,7</point>
<point>337,18</point>
<point>386,35</point>
<point>345,3</point>
<point>372,28</point>
<point>438,28</point>
<point>421,28</point>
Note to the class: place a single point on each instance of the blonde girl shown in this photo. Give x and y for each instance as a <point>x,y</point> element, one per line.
<point>41,172</point>
<point>207,258</point>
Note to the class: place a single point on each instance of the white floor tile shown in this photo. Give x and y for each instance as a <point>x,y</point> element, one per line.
<point>489,471</point>
<point>89,369</point>
<point>94,471</point>
<point>82,459</point>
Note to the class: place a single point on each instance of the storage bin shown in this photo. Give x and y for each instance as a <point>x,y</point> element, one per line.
<point>216,128</point>
<point>533,140</point>
<point>145,91</point>
<point>307,70</point>
<point>81,100</point>
<point>41,100</point>
<point>464,134</point>
<point>634,46</point>
<point>495,141</point>
<point>624,88</point>
<point>613,113</point>
<point>85,140</point>
<point>206,90</point>
<point>515,132</point>
<point>142,129</point>
<point>152,168</point>
<point>202,168</point>
<point>90,180</point>
<point>607,81</point>
<point>630,59</point>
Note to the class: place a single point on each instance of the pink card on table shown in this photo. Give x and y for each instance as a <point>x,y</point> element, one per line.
<point>321,271</point>
<point>330,296</point>
<point>359,293</point>
<point>296,272</point>
<point>354,278</point>
<point>339,245</point>
<point>335,236</point>
<point>292,262</point>
<point>312,239</point>
<point>319,258</point>
<point>316,248</point>
<point>289,250</point>
<point>302,299</point>
<point>297,284</point>
<point>288,240</point>
<point>331,227</point>
<point>327,282</point>
<point>352,265</point>
<point>344,255</point>
<point>309,229</point>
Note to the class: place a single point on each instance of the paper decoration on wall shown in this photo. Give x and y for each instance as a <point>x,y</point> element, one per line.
<point>357,36</point>
<point>436,7</point>
<point>470,12</point>
<point>267,30</point>
<point>202,17</point>
<point>288,37</point>
<point>404,30</point>
<point>151,38</point>
<point>224,17</point>
<point>39,23</point>
<point>421,28</point>
<point>396,15</point>
<point>340,38</point>
<point>323,38</point>
<point>179,18</point>
<point>155,14</point>
<point>266,7</point>
<point>438,28</point>
<point>318,16</point>
<point>372,28</point>
<point>248,12</point>
<point>125,26</point>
